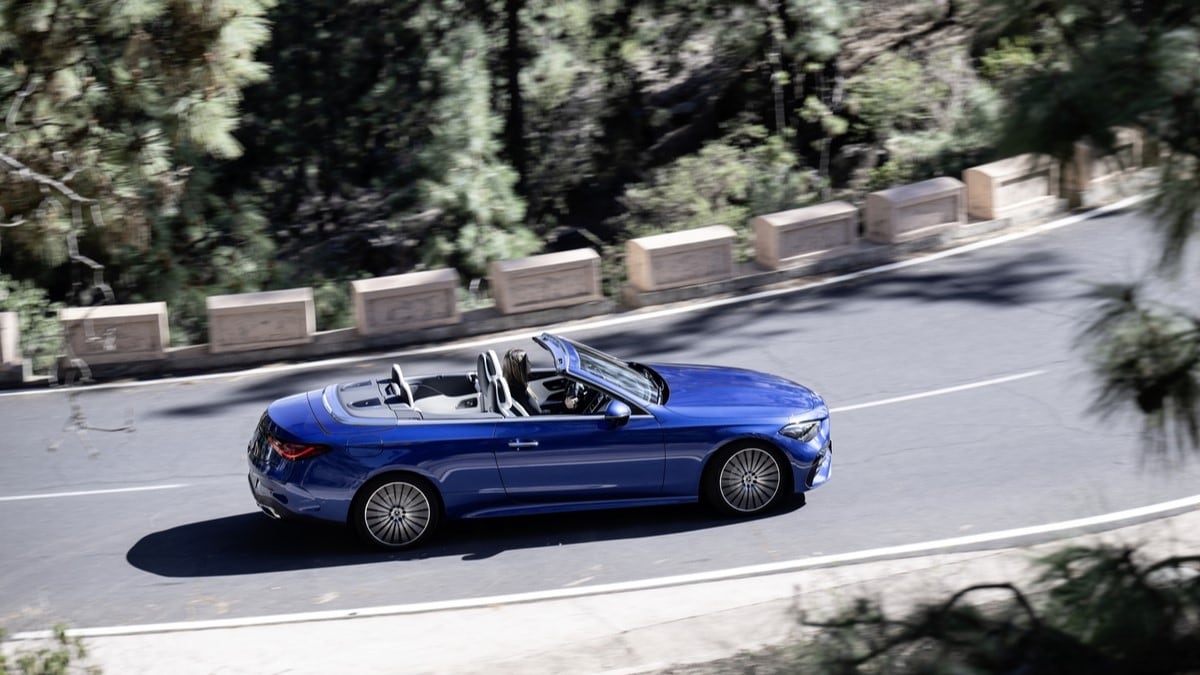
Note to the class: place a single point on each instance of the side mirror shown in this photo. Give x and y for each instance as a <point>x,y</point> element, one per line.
<point>617,414</point>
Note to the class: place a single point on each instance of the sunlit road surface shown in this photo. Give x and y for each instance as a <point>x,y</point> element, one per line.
<point>962,406</point>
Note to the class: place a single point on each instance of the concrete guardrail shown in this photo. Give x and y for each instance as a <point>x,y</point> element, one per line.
<point>915,211</point>
<point>116,333</point>
<point>546,281</point>
<point>999,189</point>
<point>792,236</point>
<point>401,302</point>
<point>680,258</point>
<point>400,309</point>
<point>263,320</point>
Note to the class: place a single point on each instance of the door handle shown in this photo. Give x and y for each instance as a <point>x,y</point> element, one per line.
<point>520,445</point>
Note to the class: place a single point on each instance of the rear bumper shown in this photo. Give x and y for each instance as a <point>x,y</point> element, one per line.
<point>267,501</point>
<point>283,502</point>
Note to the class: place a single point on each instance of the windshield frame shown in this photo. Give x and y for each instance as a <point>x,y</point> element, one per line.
<point>637,382</point>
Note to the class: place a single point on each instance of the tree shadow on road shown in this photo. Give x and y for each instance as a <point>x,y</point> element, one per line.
<point>707,334</point>
<point>251,543</point>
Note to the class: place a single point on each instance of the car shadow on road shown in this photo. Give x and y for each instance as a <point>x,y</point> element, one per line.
<point>251,543</point>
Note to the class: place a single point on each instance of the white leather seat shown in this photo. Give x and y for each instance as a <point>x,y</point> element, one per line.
<point>484,384</point>
<point>400,385</point>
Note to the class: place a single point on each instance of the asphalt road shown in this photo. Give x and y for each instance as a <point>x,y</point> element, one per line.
<point>961,405</point>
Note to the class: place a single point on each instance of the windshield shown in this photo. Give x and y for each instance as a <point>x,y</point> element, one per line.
<point>620,373</point>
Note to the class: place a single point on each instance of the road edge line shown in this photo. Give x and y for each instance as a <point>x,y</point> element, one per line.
<point>1068,528</point>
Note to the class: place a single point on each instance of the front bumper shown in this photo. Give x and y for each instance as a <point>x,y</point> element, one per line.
<point>822,468</point>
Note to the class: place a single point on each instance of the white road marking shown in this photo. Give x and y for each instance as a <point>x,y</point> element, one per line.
<point>938,392</point>
<point>631,317</point>
<point>88,493</point>
<point>813,562</point>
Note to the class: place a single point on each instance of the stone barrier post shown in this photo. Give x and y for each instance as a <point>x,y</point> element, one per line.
<point>116,333</point>
<point>914,211</point>
<point>10,339</point>
<point>799,234</point>
<point>405,301</point>
<point>1097,179</point>
<point>679,259</point>
<point>247,321</point>
<point>544,281</point>
<point>999,189</point>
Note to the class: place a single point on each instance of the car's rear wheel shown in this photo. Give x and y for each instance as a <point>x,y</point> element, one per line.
<point>396,511</point>
<point>745,479</point>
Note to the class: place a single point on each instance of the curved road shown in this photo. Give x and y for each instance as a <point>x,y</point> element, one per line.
<point>961,406</point>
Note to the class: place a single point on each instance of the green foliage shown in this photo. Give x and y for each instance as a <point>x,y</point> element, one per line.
<point>252,145</point>
<point>1102,65</point>
<point>887,97</point>
<point>333,306</point>
<point>61,658</point>
<point>41,332</point>
<point>932,118</point>
<point>726,183</point>
<point>467,181</point>
<point>1095,610</point>
<point>890,174</point>
<point>820,22</point>
<point>1150,355</point>
<point>1130,610</point>
<point>482,244</point>
<point>478,245</point>
<point>814,110</point>
<point>1009,63</point>
<point>101,102</point>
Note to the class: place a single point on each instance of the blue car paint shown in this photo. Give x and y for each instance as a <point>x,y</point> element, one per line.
<point>585,462</point>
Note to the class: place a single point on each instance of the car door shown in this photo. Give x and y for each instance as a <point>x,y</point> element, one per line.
<point>563,458</point>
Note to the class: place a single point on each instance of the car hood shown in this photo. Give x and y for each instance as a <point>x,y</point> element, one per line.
<point>707,387</point>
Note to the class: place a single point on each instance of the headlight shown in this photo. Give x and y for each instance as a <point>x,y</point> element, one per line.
<point>801,431</point>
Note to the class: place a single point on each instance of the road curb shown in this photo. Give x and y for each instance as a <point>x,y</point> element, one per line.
<point>1011,538</point>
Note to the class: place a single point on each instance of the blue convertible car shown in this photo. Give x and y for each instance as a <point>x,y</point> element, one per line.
<point>394,456</point>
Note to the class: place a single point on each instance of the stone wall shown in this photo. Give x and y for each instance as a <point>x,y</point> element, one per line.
<point>252,328</point>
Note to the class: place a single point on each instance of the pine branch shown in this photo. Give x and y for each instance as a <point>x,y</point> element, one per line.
<point>26,173</point>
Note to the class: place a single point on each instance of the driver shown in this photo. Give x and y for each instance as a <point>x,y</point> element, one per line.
<point>572,400</point>
<point>516,373</point>
<point>580,399</point>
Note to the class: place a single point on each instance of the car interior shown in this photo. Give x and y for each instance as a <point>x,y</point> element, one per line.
<point>482,393</point>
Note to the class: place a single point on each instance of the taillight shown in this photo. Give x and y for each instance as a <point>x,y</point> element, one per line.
<point>296,451</point>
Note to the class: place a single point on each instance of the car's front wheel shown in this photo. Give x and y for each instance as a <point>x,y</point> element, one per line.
<point>396,511</point>
<point>745,480</point>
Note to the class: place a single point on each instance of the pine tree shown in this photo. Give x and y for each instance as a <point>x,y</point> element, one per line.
<point>107,106</point>
<point>1107,64</point>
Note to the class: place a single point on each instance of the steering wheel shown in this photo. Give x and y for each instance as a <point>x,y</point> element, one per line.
<point>587,400</point>
<point>595,402</point>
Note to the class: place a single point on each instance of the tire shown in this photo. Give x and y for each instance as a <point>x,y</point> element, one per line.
<point>396,512</point>
<point>746,479</point>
